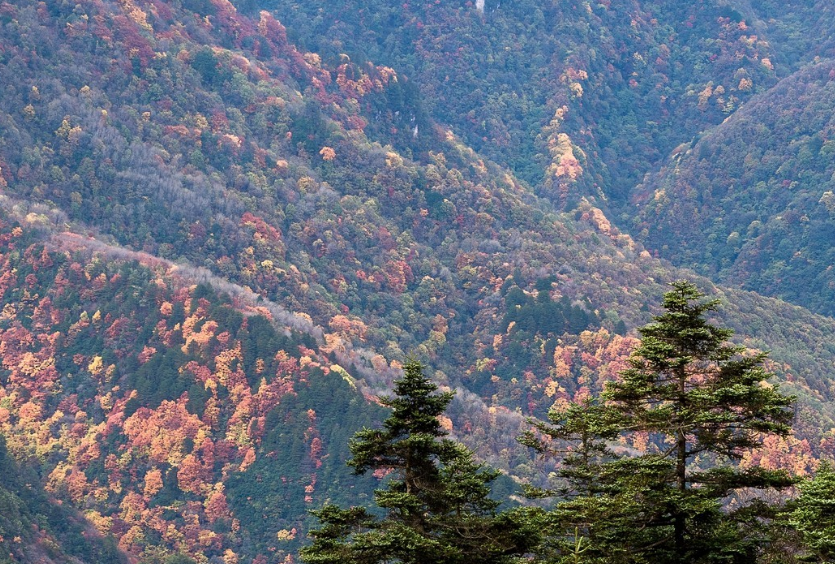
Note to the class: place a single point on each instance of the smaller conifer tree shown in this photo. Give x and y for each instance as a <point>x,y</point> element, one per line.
<point>435,505</point>
<point>814,514</point>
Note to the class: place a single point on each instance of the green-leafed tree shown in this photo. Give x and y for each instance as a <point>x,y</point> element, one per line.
<point>581,434</point>
<point>435,506</point>
<point>814,515</point>
<point>700,403</point>
<point>583,526</point>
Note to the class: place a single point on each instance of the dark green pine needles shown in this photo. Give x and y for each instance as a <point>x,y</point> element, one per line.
<point>813,515</point>
<point>699,403</point>
<point>435,505</point>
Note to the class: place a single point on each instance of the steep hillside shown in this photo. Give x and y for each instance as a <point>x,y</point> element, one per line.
<point>575,97</point>
<point>36,528</point>
<point>799,31</point>
<point>167,412</point>
<point>751,201</point>
<point>285,194</point>
<point>149,146</point>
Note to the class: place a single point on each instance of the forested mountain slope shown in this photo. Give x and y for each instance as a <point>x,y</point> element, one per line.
<point>799,31</point>
<point>752,199</point>
<point>168,412</point>
<point>576,97</point>
<point>188,133</point>
<point>35,527</point>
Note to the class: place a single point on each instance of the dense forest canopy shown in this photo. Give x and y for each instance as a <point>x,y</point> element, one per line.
<point>227,224</point>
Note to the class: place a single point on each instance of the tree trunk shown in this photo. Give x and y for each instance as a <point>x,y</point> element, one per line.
<point>681,465</point>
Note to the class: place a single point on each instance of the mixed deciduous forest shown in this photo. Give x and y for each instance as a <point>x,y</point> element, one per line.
<point>227,225</point>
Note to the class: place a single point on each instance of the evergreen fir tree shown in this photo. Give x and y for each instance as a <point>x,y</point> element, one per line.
<point>607,512</point>
<point>694,396</point>
<point>580,435</point>
<point>582,527</point>
<point>435,506</point>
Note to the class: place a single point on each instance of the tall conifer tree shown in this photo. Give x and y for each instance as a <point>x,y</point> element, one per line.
<point>701,403</point>
<point>694,393</point>
<point>435,506</point>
